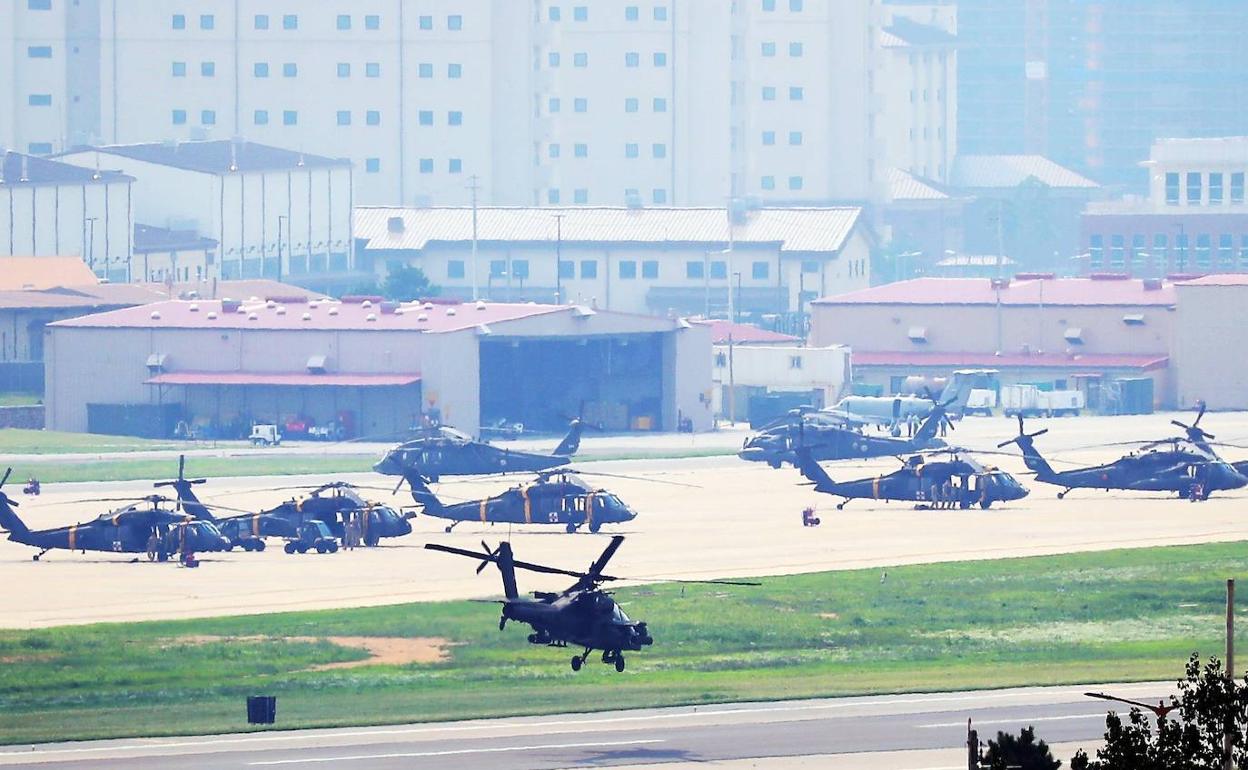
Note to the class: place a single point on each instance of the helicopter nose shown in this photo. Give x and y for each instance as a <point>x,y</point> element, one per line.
<point>1230,478</point>
<point>387,466</point>
<point>643,635</point>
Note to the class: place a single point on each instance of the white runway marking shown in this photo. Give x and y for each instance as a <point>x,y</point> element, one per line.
<point>453,752</point>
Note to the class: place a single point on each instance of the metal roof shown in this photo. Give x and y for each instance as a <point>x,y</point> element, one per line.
<point>987,171</point>
<point>285,379</point>
<point>904,186</point>
<point>219,156</point>
<point>912,32</point>
<point>17,169</point>
<point>150,239</point>
<point>1144,361</point>
<point>44,272</point>
<point>743,333</point>
<point>981,291</point>
<point>794,229</point>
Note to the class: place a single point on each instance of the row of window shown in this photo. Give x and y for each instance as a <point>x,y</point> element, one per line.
<point>769,138</point>
<point>769,182</point>
<point>796,93</point>
<point>291,117</point>
<point>425,165</point>
<point>1184,254</point>
<point>794,5</point>
<point>631,150</point>
<point>581,104</point>
<point>1196,182</point>
<point>262,69</point>
<point>581,59</point>
<point>796,48</point>
<point>631,13</point>
<point>372,22</point>
<point>627,269</point>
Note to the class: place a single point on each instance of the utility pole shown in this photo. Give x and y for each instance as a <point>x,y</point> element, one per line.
<point>1228,761</point>
<point>558,258</point>
<point>91,242</point>
<point>474,186</point>
<point>280,217</point>
<point>972,747</point>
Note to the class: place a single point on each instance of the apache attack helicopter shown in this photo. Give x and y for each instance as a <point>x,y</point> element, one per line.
<point>959,481</point>
<point>248,530</point>
<point>582,615</point>
<point>555,497</point>
<point>445,451</point>
<point>1183,468</point>
<point>134,529</point>
<point>831,439</point>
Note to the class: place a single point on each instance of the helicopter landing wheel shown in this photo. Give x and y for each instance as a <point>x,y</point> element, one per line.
<point>619,663</point>
<point>1062,494</point>
<point>570,528</point>
<point>447,529</point>
<point>595,527</point>
<point>576,662</point>
<point>840,506</point>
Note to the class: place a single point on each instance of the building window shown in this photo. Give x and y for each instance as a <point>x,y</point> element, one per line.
<point>769,93</point>
<point>567,269</point>
<point>261,21</point>
<point>795,6</point>
<point>260,69</point>
<point>580,13</point>
<point>290,21</point>
<point>580,196</point>
<point>290,69</point>
<point>553,13</point>
<point>580,59</point>
<point>552,59</point>
<point>455,118</point>
<point>208,117</point>
<point>658,196</point>
<point>1172,188</point>
<point>344,69</point>
<point>39,148</point>
<point>631,13</point>
<point>795,138</point>
<point>425,117</point>
<point>795,362</point>
<point>1117,252</point>
<point>179,21</point>
<point>659,150</point>
<point>1243,252</point>
<point>1226,251</point>
<point>1096,250</point>
<point>179,69</point>
<point>455,22</point>
<point>660,59</point>
<point>796,94</point>
<point>589,268</point>
<point>1138,254</point>
<point>426,165</point>
<point>760,271</point>
<point>372,118</point>
<point>630,104</point>
<point>207,69</point>
<point>344,21</point>
<point>650,269</point>
<point>290,117</point>
<point>520,268</point>
<point>372,165</point>
<point>455,165</point>
<point>769,5</point>
<point>553,151</point>
<point>426,22</point>
<point>1161,250</point>
<point>498,268</point>
<point>552,105</point>
<point>1193,188</point>
<point>372,22</point>
<point>1203,255</point>
<point>695,269</point>
<point>372,70</point>
<point>1180,251</point>
<point>424,70</point>
<point>179,117</point>
<point>631,150</point>
<point>454,70</point>
<point>660,104</point>
<point>769,48</point>
<point>455,268</point>
<point>768,182</point>
<point>810,266</point>
<point>39,52</point>
<point>795,49</point>
<point>1237,187</point>
<point>260,117</point>
<point>580,104</point>
<point>344,117</point>
<point>38,5</point>
<point>207,21</point>
<point>628,269</point>
<point>660,13</point>
<point>719,270</point>
<point>1215,189</point>
<point>769,138</point>
<point>580,150</point>
<point>632,59</point>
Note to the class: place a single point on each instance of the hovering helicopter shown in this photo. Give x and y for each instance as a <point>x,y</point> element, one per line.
<point>447,452</point>
<point>134,529</point>
<point>555,497</point>
<point>248,530</point>
<point>1185,469</point>
<point>831,439</point>
<point>959,481</point>
<point>582,615</point>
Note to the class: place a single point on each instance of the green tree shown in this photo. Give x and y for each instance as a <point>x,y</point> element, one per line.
<point>1208,707</point>
<point>406,284</point>
<point>1021,751</point>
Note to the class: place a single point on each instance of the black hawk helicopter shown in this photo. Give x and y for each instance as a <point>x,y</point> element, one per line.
<point>1202,438</point>
<point>248,530</point>
<point>831,439</point>
<point>582,615</point>
<point>959,481</point>
<point>136,528</point>
<point>1182,468</point>
<point>557,497</point>
<point>444,451</point>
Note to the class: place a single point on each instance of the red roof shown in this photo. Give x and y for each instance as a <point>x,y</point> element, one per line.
<point>743,333</point>
<point>1219,279</point>
<point>284,379</point>
<point>1145,361</point>
<point>980,291</point>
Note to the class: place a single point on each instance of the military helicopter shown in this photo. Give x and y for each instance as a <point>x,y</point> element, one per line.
<point>582,615</point>
<point>959,481</point>
<point>830,439</point>
<point>445,451</point>
<point>133,529</point>
<point>248,530</point>
<point>554,497</point>
<point>1185,469</point>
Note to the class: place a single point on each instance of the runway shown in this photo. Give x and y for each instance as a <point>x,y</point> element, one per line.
<point>669,737</point>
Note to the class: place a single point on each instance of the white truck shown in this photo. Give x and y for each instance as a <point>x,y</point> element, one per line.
<point>1031,401</point>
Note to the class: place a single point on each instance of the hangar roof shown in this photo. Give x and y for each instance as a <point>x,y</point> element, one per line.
<point>998,171</point>
<point>980,291</point>
<point>29,170</point>
<point>327,315</point>
<point>216,156</point>
<point>794,230</point>
<point>744,333</point>
<point>1218,279</point>
<point>44,272</point>
<point>1145,361</point>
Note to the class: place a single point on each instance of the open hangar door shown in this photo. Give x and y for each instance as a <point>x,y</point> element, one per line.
<point>613,380</point>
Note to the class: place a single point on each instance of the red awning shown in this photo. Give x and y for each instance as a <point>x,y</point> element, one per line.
<point>282,379</point>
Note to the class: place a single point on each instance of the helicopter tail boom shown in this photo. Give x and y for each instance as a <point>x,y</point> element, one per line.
<point>572,441</point>
<point>9,519</point>
<point>507,567</point>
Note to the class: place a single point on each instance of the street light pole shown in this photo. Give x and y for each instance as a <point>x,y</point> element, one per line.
<point>91,242</point>
<point>280,217</point>
<point>558,257</point>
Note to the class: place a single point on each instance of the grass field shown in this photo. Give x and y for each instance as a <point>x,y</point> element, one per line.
<point>1110,616</point>
<point>40,442</point>
<point>20,399</point>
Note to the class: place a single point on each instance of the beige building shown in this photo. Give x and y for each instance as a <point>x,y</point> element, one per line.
<point>1209,345</point>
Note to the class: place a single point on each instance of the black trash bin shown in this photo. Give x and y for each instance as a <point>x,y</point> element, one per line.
<point>261,709</point>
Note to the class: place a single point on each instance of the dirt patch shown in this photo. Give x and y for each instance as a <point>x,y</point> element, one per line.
<point>382,650</point>
<point>30,658</point>
<point>829,616</point>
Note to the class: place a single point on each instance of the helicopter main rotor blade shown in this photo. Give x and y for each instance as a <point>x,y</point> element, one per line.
<point>6,477</point>
<point>493,557</point>
<point>595,569</point>
<point>557,471</point>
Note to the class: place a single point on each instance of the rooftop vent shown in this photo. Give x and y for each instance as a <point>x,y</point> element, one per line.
<point>155,315</point>
<point>1108,276</point>
<point>370,317</point>
<point>366,303</point>
<point>333,311</point>
<point>917,334</point>
<point>306,316</point>
<point>252,317</point>
<point>423,317</point>
<point>450,311</point>
<point>317,364</point>
<point>1152,284</point>
<point>194,308</point>
<point>270,304</point>
<point>1000,283</point>
<point>156,362</point>
<point>229,305</point>
<point>395,224</point>
<point>1133,319</point>
<point>241,309</point>
<point>253,299</point>
<point>389,307</point>
<point>212,316</point>
<point>480,304</point>
<point>1074,335</point>
<point>281,310</point>
<point>429,305</point>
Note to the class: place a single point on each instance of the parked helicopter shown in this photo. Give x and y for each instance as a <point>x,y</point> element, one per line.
<point>447,452</point>
<point>582,615</point>
<point>133,529</point>
<point>959,481</point>
<point>555,497</point>
<point>1185,469</point>
<point>830,439</point>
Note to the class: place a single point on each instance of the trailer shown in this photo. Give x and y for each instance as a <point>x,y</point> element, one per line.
<point>1031,401</point>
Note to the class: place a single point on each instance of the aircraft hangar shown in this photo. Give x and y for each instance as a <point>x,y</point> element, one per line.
<point>372,368</point>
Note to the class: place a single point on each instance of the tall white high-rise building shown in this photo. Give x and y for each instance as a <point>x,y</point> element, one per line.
<point>521,102</point>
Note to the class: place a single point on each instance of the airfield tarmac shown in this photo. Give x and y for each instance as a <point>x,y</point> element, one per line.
<point>739,519</point>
